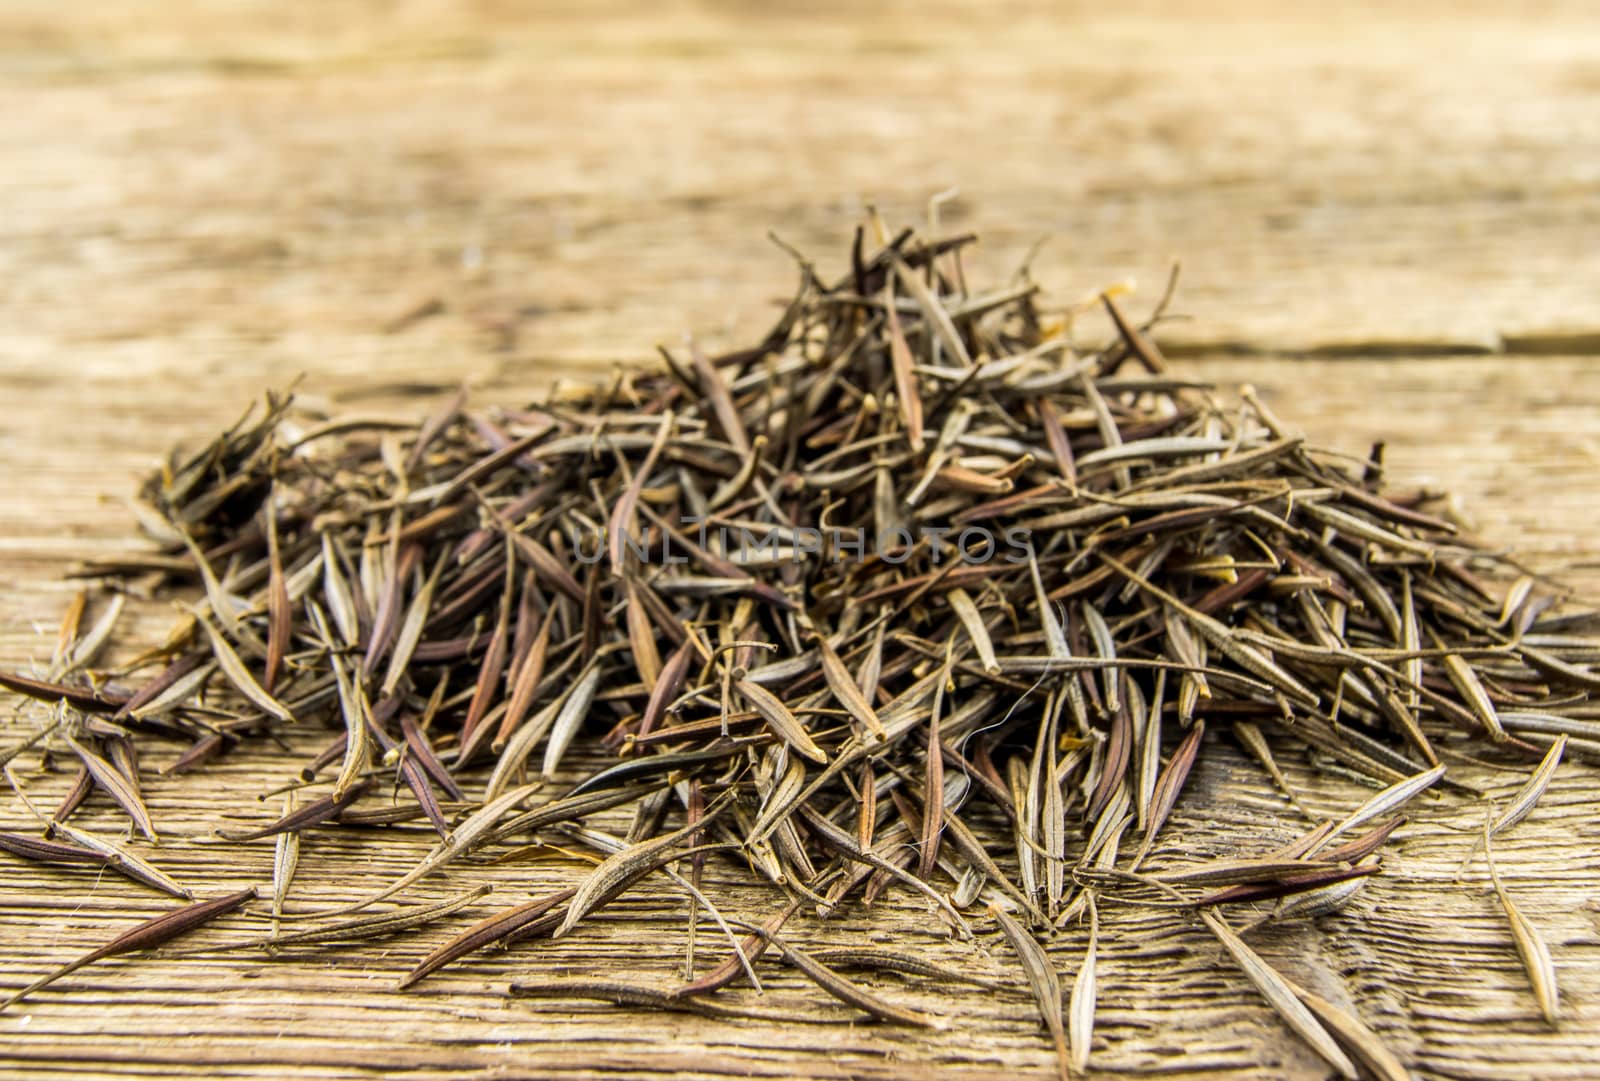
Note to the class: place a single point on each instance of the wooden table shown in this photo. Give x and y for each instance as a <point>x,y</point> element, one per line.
<point>1388,221</point>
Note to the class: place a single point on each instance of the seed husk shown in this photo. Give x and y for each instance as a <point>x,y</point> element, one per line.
<point>1042,979</point>
<point>627,864</point>
<point>1531,947</point>
<point>108,778</point>
<point>1355,1036</point>
<point>1280,996</point>
<point>1085,992</point>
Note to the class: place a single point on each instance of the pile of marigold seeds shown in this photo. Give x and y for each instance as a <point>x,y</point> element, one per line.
<point>914,594</point>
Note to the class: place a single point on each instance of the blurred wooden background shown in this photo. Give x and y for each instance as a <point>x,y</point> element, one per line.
<point>1388,217</point>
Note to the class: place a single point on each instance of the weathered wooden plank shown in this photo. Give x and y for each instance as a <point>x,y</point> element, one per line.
<point>201,204</point>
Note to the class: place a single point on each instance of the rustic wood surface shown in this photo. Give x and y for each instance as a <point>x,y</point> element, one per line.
<point>1388,222</point>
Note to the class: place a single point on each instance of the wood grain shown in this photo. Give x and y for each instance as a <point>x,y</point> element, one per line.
<point>204,200</point>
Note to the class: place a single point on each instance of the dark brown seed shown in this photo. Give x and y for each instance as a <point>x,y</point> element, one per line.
<point>486,931</point>
<point>33,848</point>
<point>46,691</point>
<point>146,936</point>
<point>312,814</point>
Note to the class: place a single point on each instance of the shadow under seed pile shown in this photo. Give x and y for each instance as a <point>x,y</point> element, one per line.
<point>914,564</point>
